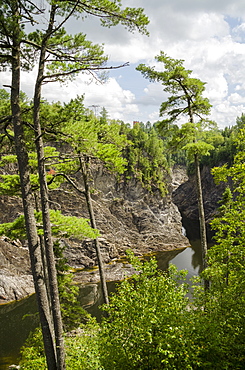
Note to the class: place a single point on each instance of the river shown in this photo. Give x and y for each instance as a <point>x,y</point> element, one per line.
<point>19,318</point>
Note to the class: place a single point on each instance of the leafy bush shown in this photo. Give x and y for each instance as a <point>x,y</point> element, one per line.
<point>81,347</point>
<point>151,324</point>
<point>146,324</point>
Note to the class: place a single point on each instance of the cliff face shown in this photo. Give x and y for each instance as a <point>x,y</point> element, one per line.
<point>127,215</point>
<point>185,196</point>
<point>15,275</point>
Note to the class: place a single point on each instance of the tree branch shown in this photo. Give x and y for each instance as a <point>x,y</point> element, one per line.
<point>81,191</point>
<point>89,69</point>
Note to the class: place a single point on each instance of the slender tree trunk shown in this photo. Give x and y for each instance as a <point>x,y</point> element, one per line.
<point>43,253</point>
<point>84,168</point>
<point>27,198</point>
<point>201,213</point>
<point>48,243</point>
<point>203,233</point>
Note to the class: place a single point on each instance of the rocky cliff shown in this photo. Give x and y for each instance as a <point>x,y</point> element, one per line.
<point>185,197</point>
<point>127,215</point>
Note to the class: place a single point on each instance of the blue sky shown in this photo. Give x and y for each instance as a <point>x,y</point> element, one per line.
<point>209,35</point>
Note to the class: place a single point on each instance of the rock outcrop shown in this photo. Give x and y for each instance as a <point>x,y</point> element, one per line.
<point>185,196</point>
<point>127,215</point>
<point>15,275</point>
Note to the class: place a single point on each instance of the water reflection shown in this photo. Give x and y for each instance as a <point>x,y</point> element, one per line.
<point>15,325</point>
<point>16,321</point>
<point>187,258</point>
<point>91,297</point>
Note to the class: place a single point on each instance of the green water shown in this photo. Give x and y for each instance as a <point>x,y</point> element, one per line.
<point>18,319</point>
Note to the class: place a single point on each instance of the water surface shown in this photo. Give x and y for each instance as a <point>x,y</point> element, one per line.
<point>18,319</point>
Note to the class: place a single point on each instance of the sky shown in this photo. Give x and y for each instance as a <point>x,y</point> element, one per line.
<point>209,35</point>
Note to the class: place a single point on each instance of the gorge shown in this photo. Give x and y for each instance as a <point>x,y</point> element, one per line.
<point>131,218</point>
<point>128,217</point>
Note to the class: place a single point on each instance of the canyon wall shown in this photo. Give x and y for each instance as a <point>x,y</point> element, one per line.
<point>128,216</point>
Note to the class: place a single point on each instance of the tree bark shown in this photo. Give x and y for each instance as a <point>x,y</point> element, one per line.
<point>27,197</point>
<point>48,243</point>
<point>201,213</point>
<point>84,168</point>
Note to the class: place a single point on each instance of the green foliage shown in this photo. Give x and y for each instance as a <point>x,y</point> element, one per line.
<point>139,150</point>
<point>32,354</point>
<point>185,99</point>
<point>228,254</point>
<point>73,314</point>
<point>62,226</point>
<point>10,183</point>
<point>185,92</point>
<point>226,266</point>
<point>82,350</point>
<point>67,226</point>
<point>225,143</point>
<point>67,54</point>
<point>145,157</point>
<point>86,135</point>
<point>14,230</point>
<point>198,148</point>
<point>145,328</point>
<point>153,325</point>
<point>77,54</point>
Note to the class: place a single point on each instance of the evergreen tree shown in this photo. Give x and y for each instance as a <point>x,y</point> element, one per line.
<point>19,50</point>
<point>185,99</point>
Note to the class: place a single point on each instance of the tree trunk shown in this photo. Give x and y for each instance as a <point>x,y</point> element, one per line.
<point>84,168</point>
<point>203,233</point>
<point>27,198</point>
<point>48,243</point>
<point>201,213</point>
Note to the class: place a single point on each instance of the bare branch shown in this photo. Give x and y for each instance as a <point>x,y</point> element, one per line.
<point>6,119</point>
<point>81,191</point>
<point>50,78</point>
<point>6,56</point>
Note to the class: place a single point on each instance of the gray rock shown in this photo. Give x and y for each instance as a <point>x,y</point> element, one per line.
<point>185,196</point>
<point>15,275</point>
<point>127,215</point>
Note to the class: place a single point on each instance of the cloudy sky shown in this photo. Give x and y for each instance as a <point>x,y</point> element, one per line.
<point>208,34</point>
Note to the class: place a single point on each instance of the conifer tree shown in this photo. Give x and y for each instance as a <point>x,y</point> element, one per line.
<point>185,99</point>
<point>60,53</point>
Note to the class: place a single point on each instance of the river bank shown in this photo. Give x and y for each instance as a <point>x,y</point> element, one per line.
<point>128,216</point>
<point>11,315</point>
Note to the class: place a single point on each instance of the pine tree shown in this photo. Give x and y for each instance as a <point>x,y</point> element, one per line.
<point>185,100</point>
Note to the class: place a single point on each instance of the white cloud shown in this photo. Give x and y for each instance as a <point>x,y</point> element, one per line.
<point>209,35</point>
<point>226,113</point>
<point>110,95</point>
<point>153,95</point>
<point>236,98</point>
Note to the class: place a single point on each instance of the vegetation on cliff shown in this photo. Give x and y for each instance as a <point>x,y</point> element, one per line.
<point>225,297</point>
<point>151,323</point>
<point>58,56</point>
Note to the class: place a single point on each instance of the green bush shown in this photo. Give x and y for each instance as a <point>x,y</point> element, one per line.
<point>152,324</point>
<point>81,347</point>
<point>147,322</point>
